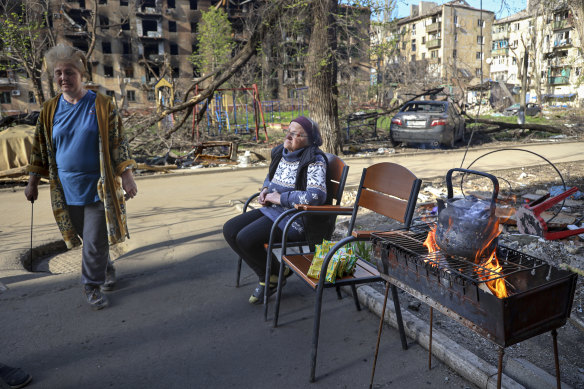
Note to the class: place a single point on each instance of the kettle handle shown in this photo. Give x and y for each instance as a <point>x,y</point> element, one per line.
<point>489,176</point>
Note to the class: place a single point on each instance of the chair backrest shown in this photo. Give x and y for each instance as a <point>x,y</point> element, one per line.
<point>388,189</point>
<point>322,226</point>
<point>336,177</point>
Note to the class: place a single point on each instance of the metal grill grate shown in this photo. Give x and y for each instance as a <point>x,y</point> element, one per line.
<point>411,242</point>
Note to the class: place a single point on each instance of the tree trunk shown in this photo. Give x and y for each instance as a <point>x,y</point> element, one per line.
<point>321,69</point>
<point>522,95</point>
<point>37,86</point>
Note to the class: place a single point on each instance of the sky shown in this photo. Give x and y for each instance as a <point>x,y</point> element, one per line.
<point>501,8</point>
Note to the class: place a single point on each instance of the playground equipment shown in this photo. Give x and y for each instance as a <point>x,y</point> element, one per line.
<point>164,92</point>
<point>298,99</point>
<point>220,116</point>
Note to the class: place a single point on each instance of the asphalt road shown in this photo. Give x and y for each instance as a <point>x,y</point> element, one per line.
<point>177,321</point>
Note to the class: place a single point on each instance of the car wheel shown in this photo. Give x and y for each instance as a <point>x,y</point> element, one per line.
<point>392,142</point>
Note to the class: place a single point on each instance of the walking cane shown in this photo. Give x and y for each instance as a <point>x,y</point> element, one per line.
<point>31,224</point>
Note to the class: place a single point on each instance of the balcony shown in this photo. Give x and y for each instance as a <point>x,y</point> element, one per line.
<point>558,80</point>
<point>502,51</point>
<point>562,43</point>
<point>500,36</point>
<point>434,27</point>
<point>151,34</point>
<point>155,11</point>
<point>433,43</point>
<point>562,24</point>
<point>159,58</point>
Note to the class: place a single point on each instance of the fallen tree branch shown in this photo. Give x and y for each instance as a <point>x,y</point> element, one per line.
<point>505,126</point>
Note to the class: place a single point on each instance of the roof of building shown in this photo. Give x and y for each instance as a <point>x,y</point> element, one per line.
<point>438,9</point>
<point>512,18</point>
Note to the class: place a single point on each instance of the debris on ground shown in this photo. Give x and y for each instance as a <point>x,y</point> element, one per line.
<point>566,253</point>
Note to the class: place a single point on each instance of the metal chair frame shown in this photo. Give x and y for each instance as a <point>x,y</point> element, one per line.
<point>353,236</point>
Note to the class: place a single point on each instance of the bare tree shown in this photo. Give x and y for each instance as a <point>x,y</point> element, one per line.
<point>24,36</point>
<point>321,69</point>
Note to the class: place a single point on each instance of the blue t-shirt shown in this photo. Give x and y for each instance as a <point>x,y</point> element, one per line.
<point>76,143</point>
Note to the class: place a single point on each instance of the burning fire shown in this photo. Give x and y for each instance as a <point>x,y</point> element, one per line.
<point>496,286</point>
<point>430,242</point>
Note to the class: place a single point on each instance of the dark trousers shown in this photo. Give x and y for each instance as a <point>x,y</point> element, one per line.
<point>247,233</point>
<point>89,222</point>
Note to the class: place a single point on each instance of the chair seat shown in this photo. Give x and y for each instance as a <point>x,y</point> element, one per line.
<point>300,263</point>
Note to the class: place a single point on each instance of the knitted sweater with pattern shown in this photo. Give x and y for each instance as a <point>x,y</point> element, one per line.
<point>284,182</point>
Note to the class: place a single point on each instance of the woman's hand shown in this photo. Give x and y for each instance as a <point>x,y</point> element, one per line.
<point>32,188</point>
<point>129,184</point>
<point>262,196</point>
<point>273,197</point>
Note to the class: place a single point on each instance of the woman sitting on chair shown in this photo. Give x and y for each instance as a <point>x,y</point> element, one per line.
<point>297,175</point>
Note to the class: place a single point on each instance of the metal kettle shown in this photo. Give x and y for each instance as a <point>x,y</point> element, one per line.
<point>467,227</point>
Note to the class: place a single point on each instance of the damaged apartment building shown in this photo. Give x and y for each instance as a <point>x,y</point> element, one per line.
<point>450,42</point>
<point>138,41</point>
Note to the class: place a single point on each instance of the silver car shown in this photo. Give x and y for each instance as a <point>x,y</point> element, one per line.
<point>427,122</point>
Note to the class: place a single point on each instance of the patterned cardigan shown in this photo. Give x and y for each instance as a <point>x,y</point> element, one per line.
<point>114,155</point>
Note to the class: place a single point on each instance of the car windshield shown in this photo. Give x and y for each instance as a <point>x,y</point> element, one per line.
<point>424,107</point>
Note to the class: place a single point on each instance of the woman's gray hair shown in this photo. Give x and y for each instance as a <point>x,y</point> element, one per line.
<point>62,53</point>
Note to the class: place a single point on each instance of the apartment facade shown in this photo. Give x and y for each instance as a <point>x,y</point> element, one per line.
<point>138,41</point>
<point>453,39</point>
<point>554,64</point>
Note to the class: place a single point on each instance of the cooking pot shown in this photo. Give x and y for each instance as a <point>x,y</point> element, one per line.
<point>467,227</point>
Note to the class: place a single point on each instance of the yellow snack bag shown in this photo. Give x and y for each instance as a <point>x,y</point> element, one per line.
<point>333,268</point>
<point>345,254</point>
<point>321,252</point>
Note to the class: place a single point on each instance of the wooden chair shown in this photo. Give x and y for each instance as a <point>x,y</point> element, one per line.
<point>336,177</point>
<point>387,189</point>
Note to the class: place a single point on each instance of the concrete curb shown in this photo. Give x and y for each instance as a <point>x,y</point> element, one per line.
<point>464,362</point>
<point>461,360</point>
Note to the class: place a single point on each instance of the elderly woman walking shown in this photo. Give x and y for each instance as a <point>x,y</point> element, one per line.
<point>80,146</point>
<point>297,175</point>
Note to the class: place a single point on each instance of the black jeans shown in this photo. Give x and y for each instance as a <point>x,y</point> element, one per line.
<point>247,233</point>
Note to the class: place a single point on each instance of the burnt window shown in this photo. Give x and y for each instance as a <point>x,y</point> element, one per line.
<point>103,22</point>
<point>193,4</point>
<point>171,26</point>
<point>102,2</point>
<point>129,72</point>
<point>123,3</point>
<point>106,47</point>
<point>125,24</point>
<point>126,48</point>
<point>108,71</point>
<point>173,49</point>
<point>131,94</point>
<point>149,27</point>
<point>110,93</point>
<point>170,3</point>
<point>31,98</point>
<point>194,27</point>
<point>5,97</point>
<point>81,45</point>
<point>175,71</point>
